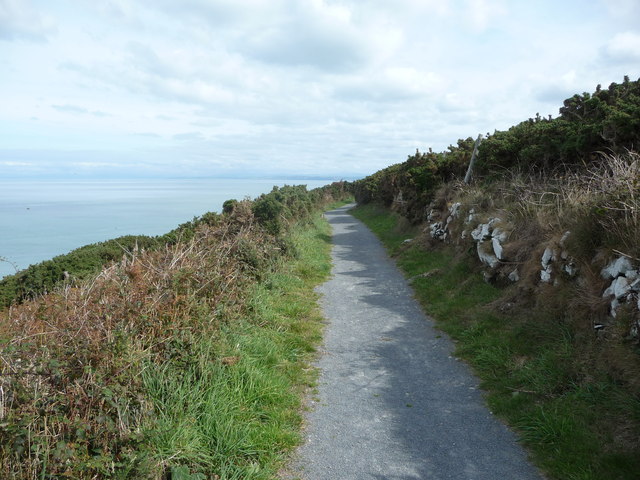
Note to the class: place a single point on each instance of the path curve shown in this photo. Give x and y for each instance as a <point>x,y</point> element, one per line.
<point>392,402</point>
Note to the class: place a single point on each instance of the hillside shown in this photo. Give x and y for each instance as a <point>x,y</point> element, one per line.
<point>181,359</point>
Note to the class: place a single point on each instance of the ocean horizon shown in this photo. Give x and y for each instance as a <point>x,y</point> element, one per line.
<point>40,219</point>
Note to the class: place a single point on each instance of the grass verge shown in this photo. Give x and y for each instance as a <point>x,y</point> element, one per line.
<point>184,363</point>
<point>232,410</point>
<point>577,424</point>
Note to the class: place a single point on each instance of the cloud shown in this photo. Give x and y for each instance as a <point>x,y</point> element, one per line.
<point>20,21</point>
<point>482,12</point>
<point>314,34</point>
<point>74,109</point>
<point>16,164</point>
<point>623,48</point>
<point>188,136</point>
<point>624,10</point>
<point>391,85</point>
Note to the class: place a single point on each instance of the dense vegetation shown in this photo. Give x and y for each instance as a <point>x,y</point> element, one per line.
<point>607,120</point>
<point>180,361</point>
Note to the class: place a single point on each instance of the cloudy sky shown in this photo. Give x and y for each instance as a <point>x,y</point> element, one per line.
<point>335,88</point>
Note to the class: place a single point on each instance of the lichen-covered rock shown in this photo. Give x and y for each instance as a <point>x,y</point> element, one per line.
<point>497,248</point>
<point>514,276</point>
<point>433,215</point>
<point>437,231</point>
<point>619,288</point>
<point>486,255</point>
<point>570,269</point>
<point>454,209</point>
<point>499,234</point>
<point>549,256</point>
<point>616,268</point>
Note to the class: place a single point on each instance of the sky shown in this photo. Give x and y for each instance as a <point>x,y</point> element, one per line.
<point>273,88</point>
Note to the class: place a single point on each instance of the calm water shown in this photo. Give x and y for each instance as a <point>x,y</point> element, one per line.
<point>39,220</point>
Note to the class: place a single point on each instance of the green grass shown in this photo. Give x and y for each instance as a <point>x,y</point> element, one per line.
<point>238,417</point>
<point>576,426</point>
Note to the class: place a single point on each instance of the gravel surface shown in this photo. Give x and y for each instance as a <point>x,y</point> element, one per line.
<point>392,402</point>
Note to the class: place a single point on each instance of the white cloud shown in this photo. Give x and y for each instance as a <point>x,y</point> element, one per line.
<point>76,110</point>
<point>624,48</point>
<point>313,34</point>
<point>482,12</point>
<point>20,21</point>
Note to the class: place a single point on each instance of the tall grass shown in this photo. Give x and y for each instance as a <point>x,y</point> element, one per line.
<point>234,409</point>
<point>601,201</point>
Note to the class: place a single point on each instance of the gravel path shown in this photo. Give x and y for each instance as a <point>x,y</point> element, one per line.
<point>392,401</point>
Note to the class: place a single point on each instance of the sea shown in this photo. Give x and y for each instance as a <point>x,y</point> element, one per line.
<point>42,219</point>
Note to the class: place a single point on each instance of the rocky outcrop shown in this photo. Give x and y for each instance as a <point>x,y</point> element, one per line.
<point>624,284</point>
<point>556,260</point>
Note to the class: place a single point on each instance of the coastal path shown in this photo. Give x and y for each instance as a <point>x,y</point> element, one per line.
<point>392,401</point>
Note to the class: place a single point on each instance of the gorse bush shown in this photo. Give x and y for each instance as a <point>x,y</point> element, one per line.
<point>606,121</point>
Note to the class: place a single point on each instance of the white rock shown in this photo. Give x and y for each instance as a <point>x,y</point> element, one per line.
<point>608,292</point>
<point>408,240</point>
<point>497,248</point>
<point>631,274</point>
<point>449,219</point>
<point>616,268</point>
<point>471,217</point>
<point>564,238</point>
<point>545,275</point>
<point>486,231</point>
<point>454,209</point>
<point>436,229</point>
<point>564,255</point>
<point>620,287</point>
<point>499,234</point>
<point>635,285</point>
<point>476,233</point>
<point>615,303</point>
<point>514,276</point>
<point>464,234</point>
<point>548,256</point>
<point>486,257</point>
<point>571,269</point>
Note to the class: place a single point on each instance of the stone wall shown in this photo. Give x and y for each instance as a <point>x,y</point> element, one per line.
<point>503,256</point>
